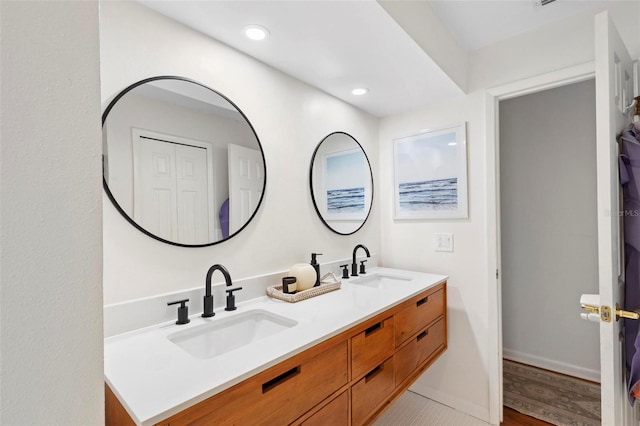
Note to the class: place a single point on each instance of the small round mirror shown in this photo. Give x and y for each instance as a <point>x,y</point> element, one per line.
<point>181,162</point>
<point>341,183</point>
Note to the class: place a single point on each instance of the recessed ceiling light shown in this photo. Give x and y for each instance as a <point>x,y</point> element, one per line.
<point>256,32</point>
<point>360,91</point>
<point>452,144</point>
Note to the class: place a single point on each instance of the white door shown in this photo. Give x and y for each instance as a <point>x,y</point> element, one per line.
<point>613,76</point>
<point>192,196</point>
<point>173,191</point>
<point>246,180</point>
<point>154,193</point>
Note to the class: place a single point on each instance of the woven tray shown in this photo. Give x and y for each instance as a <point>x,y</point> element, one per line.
<point>275,291</point>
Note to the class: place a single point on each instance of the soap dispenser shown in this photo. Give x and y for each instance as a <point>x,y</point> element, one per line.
<point>316,266</point>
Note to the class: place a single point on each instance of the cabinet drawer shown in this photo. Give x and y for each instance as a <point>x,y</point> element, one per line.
<point>418,314</point>
<point>370,391</point>
<point>334,413</point>
<point>277,396</point>
<point>421,347</point>
<point>372,346</point>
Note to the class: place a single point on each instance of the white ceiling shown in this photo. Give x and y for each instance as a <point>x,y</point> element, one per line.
<point>339,45</point>
<point>333,45</point>
<point>479,23</point>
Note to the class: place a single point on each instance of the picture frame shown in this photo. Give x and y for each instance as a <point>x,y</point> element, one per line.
<point>430,174</point>
<point>346,194</point>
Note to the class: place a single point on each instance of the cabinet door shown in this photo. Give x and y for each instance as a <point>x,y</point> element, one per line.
<point>275,397</point>
<point>418,350</point>
<point>418,314</point>
<point>335,413</point>
<point>371,391</point>
<point>372,346</point>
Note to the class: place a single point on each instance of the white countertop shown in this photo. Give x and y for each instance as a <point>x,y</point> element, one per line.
<point>154,378</point>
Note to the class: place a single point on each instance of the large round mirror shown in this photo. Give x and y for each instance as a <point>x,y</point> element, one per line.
<point>341,183</point>
<point>181,162</point>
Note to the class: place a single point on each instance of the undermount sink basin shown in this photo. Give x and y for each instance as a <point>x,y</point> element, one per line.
<point>219,336</point>
<point>380,280</point>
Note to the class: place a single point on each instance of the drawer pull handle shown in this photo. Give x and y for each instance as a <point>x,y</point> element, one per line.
<point>374,327</point>
<point>422,335</point>
<point>267,386</point>
<point>371,374</point>
<point>422,301</point>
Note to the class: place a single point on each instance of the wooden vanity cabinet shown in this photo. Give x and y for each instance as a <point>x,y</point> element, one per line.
<point>278,395</point>
<point>372,390</point>
<point>418,350</point>
<point>349,379</point>
<point>371,346</point>
<point>417,313</point>
<point>334,413</point>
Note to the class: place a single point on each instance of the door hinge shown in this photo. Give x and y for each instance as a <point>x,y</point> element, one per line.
<point>497,274</point>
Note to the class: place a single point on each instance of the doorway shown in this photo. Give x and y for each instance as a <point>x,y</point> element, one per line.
<point>548,240</point>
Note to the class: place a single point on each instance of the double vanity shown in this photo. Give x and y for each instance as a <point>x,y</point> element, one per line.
<point>184,166</point>
<point>338,358</point>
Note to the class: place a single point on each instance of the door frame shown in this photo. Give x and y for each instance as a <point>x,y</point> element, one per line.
<point>493,97</point>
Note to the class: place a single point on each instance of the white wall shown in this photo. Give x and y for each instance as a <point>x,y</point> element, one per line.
<point>51,215</point>
<point>290,119</point>
<point>549,230</point>
<point>460,378</point>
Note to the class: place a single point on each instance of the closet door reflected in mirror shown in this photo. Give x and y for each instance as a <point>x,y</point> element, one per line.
<point>181,162</point>
<point>341,183</point>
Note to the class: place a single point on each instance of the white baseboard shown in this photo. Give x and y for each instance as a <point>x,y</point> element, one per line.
<point>549,364</point>
<point>452,401</point>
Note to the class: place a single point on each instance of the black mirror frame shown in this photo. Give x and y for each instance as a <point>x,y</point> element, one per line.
<point>133,222</point>
<point>313,198</point>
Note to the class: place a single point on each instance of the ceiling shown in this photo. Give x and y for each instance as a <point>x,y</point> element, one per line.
<point>479,23</point>
<point>337,46</point>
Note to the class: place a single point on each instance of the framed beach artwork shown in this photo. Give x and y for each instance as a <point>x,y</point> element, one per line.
<point>430,174</point>
<point>347,188</point>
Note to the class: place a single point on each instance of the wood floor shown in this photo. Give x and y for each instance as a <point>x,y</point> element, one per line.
<point>512,417</point>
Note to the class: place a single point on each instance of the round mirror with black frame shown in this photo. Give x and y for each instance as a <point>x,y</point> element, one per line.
<point>181,162</point>
<point>341,183</point>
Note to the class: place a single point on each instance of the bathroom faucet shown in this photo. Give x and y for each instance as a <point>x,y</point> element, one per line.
<point>208,297</point>
<point>354,265</point>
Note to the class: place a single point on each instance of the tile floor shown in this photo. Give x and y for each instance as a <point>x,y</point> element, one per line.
<point>412,409</point>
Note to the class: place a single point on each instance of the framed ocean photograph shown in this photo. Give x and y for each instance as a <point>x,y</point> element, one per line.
<point>347,189</point>
<point>430,174</point>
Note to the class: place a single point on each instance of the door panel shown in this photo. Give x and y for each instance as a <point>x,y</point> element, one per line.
<point>613,66</point>
<point>154,195</point>
<point>173,188</point>
<point>193,195</point>
<point>246,180</point>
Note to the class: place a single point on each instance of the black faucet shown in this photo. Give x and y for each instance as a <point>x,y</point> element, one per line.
<point>208,297</point>
<point>354,265</point>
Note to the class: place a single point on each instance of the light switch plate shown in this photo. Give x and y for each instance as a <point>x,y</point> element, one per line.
<point>443,242</point>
